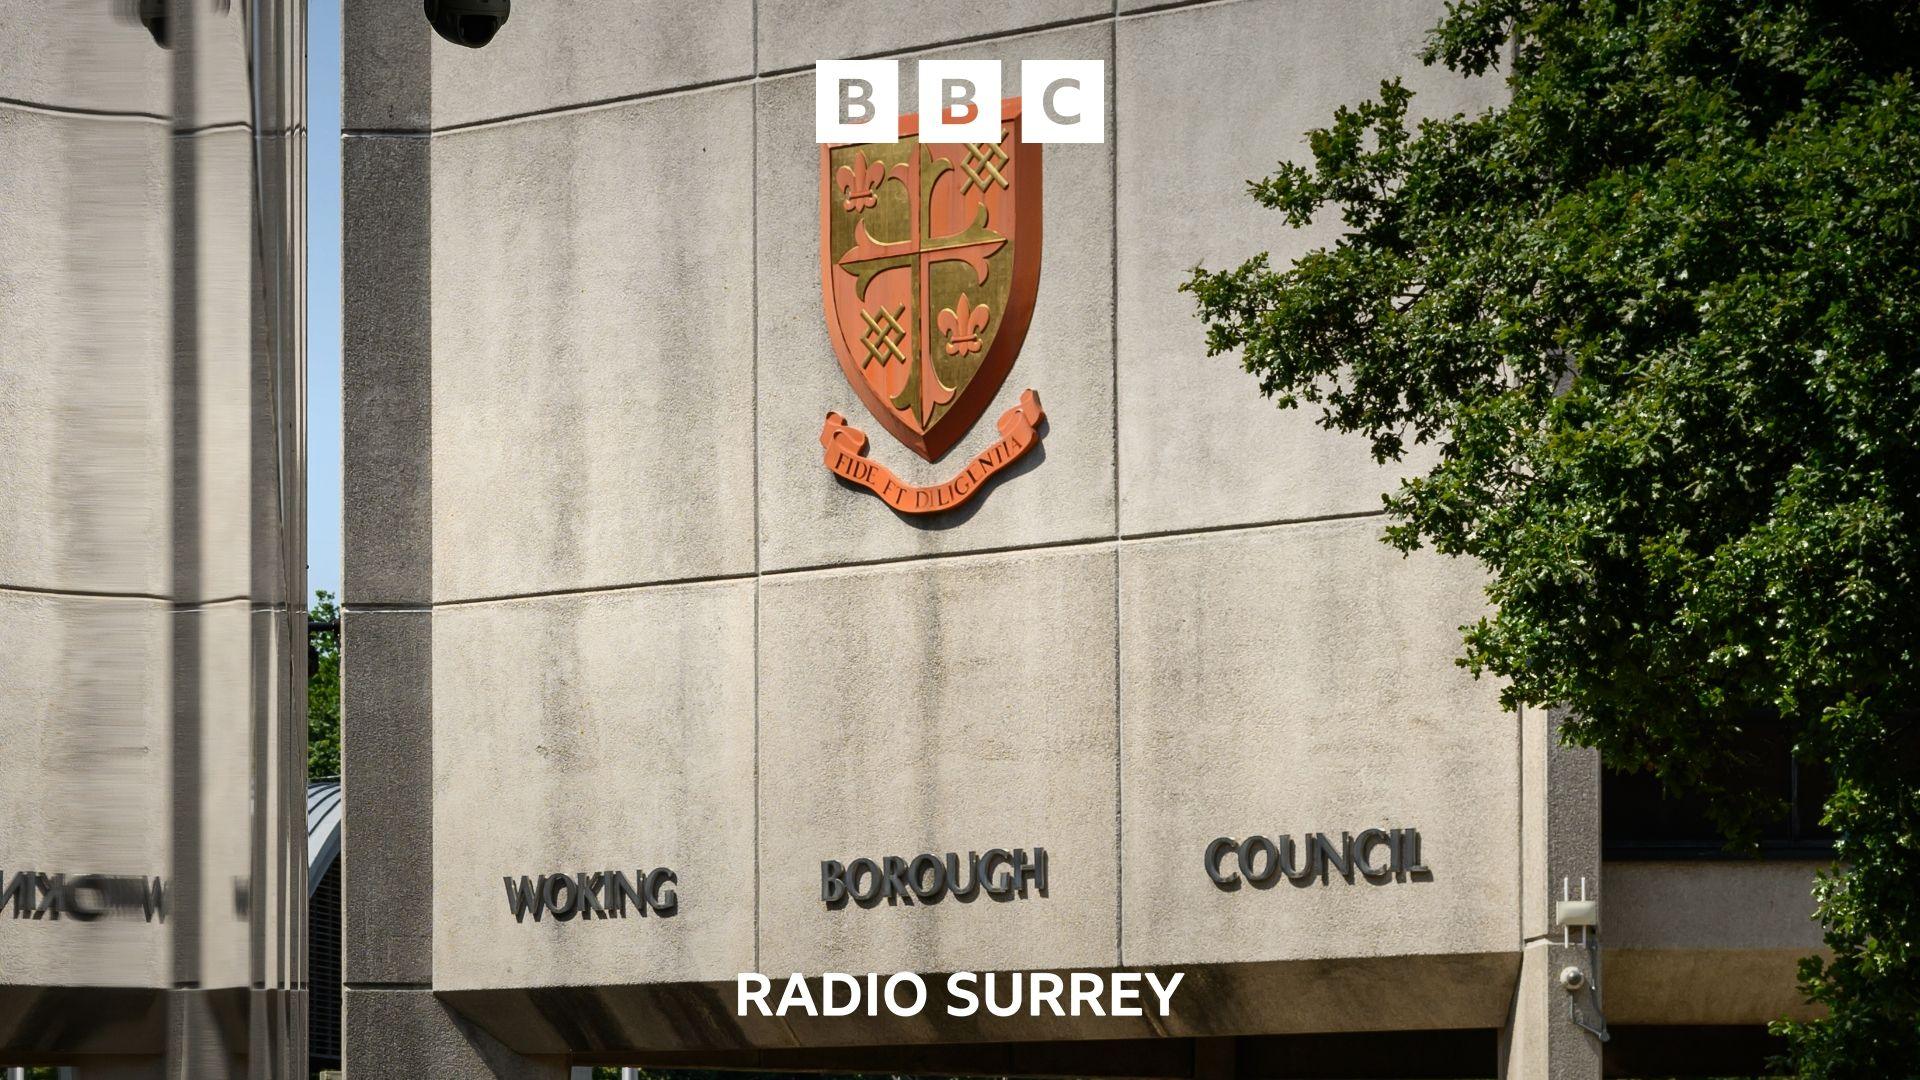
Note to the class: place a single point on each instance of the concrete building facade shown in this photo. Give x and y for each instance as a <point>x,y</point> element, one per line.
<point>152,544</point>
<point>606,610</point>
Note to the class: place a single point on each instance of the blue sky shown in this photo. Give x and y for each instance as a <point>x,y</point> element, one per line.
<point>323,295</point>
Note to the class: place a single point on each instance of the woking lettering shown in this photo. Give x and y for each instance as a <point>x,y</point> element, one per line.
<point>31,894</point>
<point>589,895</point>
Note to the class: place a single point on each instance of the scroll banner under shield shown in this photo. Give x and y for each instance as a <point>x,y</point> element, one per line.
<point>846,455</point>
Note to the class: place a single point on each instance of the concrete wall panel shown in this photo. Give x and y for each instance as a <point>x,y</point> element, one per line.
<point>406,1034</point>
<point>1064,488</point>
<point>1300,679</point>
<point>214,726</point>
<point>84,690</point>
<point>573,52</point>
<point>79,54</point>
<point>593,374</point>
<point>958,705</point>
<point>1666,905</point>
<point>387,370</point>
<point>212,315</point>
<point>1704,986</point>
<point>800,33</point>
<point>1208,98</point>
<point>1707,942</point>
<point>387,767</point>
<point>85,355</point>
<point>386,58</point>
<point>589,733</point>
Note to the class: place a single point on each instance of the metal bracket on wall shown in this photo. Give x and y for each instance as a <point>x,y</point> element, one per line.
<point>1585,914</point>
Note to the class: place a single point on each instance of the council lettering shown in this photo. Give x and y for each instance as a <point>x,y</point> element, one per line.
<point>1378,855</point>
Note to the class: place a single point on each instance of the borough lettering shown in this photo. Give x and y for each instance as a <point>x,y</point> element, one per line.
<point>927,877</point>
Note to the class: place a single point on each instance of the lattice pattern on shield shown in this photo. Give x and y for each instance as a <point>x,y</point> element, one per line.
<point>982,167</point>
<point>884,336</point>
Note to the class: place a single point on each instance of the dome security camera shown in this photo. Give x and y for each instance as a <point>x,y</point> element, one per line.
<point>471,23</point>
<point>152,14</point>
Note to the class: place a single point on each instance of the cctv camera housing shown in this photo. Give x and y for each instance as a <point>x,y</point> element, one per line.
<point>153,16</point>
<point>471,23</point>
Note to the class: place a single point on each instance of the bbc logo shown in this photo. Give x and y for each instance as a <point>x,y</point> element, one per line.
<point>858,101</point>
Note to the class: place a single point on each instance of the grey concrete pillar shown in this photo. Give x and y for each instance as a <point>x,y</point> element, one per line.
<point>393,1024</point>
<point>1551,1029</point>
<point>411,1035</point>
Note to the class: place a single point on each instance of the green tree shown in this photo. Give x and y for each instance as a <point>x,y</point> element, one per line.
<point>1660,313</point>
<point>323,686</point>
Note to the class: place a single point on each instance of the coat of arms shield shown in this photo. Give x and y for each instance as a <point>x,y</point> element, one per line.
<point>929,260</point>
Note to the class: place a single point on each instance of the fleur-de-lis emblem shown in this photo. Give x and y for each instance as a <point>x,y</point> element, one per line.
<point>962,324</point>
<point>859,183</point>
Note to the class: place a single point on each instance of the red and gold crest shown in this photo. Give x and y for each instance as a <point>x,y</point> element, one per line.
<point>929,260</point>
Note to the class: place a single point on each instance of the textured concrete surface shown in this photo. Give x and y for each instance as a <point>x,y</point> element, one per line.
<point>214,728</point>
<point>84,379</point>
<point>589,733</point>
<point>78,54</point>
<point>958,705</point>
<point>1536,742</point>
<point>1210,97</point>
<point>593,320</point>
<point>800,33</point>
<point>387,371</point>
<point>1064,488</point>
<point>1559,822</point>
<point>408,1034</point>
<point>387,768</point>
<point>84,690</point>
<point>1432,993</point>
<point>573,52</point>
<point>97,57</point>
<point>1705,986</point>
<point>223,37</point>
<point>1540,1040</point>
<point>148,548</point>
<point>121,1022</point>
<point>1422,991</point>
<point>1667,905</point>
<point>1707,943</point>
<point>212,320</point>
<point>386,55</point>
<point>1299,679</point>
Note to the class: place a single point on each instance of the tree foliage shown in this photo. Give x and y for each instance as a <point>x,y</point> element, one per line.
<point>323,686</point>
<point>1661,315</point>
